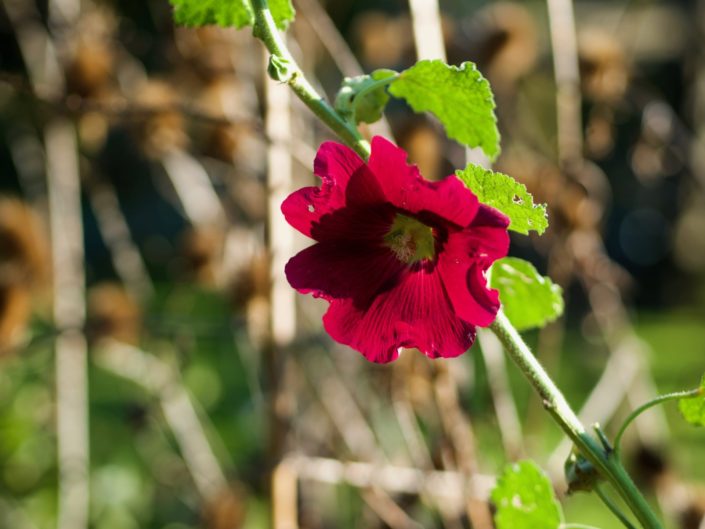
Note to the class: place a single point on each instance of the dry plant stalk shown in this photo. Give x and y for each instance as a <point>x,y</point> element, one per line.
<point>69,317</point>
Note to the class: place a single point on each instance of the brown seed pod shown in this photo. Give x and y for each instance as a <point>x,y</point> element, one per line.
<point>89,72</point>
<point>201,251</point>
<point>383,40</point>
<point>113,313</point>
<point>505,36</point>
<point>160,127</point>
<point>23,267</point>
<point>15,309</point>
<point>227,510</point>
<point>604,70</point>
<point>23,245</point>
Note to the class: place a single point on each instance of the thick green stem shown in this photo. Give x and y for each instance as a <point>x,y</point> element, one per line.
<point>606,462</point>
<point>267,32</point>
<point>693,393</point>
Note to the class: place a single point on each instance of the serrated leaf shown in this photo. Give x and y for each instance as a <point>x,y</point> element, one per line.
<point>228,13</point>
<point>525,500</point>
<point>528,299</point>
<point>458,96</point>
<point>507,195</point>
<point>693,409</point>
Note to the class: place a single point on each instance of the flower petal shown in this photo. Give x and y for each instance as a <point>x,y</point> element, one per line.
<point>347,181</point>
<point>341,270</point>
<point>406,189</point>
<point>465,257</point>
<point>413,312</point>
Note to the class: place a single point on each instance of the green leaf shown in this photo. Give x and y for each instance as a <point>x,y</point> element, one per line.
<point>228,13</point>
<point>283,12</point>
<point>693,409</point>
<point>524,499</point>
<point>458,96</point>
<point>507,195</point>
<point>365,96</point>
<point>529,300</point>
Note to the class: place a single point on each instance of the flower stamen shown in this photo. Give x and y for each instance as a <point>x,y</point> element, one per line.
<point>410,240</point>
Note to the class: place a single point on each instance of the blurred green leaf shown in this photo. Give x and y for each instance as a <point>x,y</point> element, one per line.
<point>458,96</point>
<point>524,499</point>
<point>228,13</point>
<point>528,299</point>
<point>508,196</point>
<point>693,409</point>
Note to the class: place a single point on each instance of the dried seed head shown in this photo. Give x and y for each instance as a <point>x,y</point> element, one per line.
<point>113,313</point>
<point>604,70</point>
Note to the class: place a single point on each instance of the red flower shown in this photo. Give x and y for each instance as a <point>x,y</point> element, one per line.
<point>401,260</point>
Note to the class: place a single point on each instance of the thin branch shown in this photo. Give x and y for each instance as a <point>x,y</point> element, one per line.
<point>443,485</point>
<point>505,408</point>
<point>565,66</point>
<point>161,380</point>
<point>113,227</point>
<point>428,31</point>
<point>69,313</point>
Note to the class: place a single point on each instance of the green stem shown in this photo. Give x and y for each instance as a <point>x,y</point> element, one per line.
<point>267,32</point>
<point>697,392</point>
<point>576,526</point>
<point>612,506</point>
<point>604,461</point>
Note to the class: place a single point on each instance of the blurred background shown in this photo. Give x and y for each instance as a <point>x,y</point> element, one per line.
<point>156,371</point>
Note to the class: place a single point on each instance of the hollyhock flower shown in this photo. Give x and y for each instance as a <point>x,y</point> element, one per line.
<point>401,260</point>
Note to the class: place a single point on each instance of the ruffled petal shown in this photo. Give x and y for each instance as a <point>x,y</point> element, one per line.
<point>347,182</point>
<point>341,270</point>
<point>405,188</point>
<point>412,312</point>
<point>487,237</point>
<point>462,263</point>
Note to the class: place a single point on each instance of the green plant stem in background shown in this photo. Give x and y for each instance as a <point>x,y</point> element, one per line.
<point>613,507</point>
<point>267,32</point>
<point>607,464</point>
<point>691,394</point>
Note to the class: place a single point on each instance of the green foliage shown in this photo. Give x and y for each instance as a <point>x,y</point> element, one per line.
<point>363,98</point>
<point>529,300</point>
<point>228,13</point>
<point>508,196</point>
<point>458,96</point>
<point>693,409</point>
<point>524,499</point>
<point>283,12</point>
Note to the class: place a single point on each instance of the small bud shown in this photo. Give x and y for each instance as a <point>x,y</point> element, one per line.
<point>580,474</point>
<point>280,69</point>
<point>371,105</point>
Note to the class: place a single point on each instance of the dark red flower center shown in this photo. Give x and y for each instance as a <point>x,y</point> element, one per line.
<point>410,240</point>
